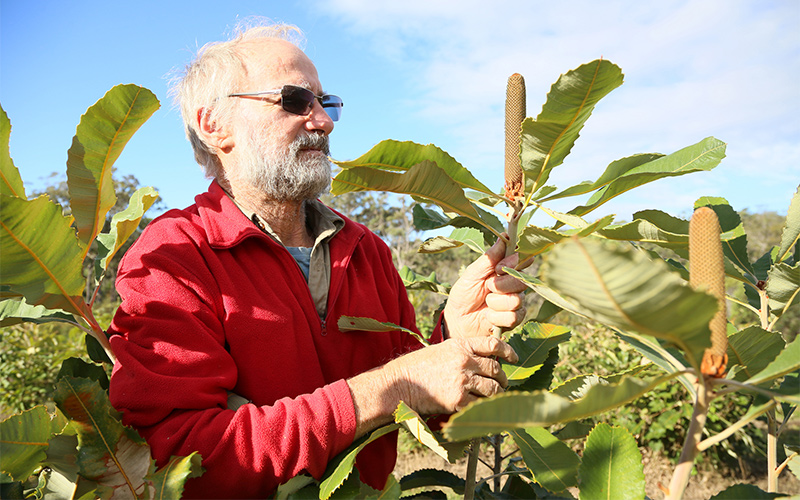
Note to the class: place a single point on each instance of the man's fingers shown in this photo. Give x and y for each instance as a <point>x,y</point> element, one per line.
<point>505,284</point>
<point>491,368</point>
<point>505,319</point>
<point>504,301</point>
<point>490,346</point>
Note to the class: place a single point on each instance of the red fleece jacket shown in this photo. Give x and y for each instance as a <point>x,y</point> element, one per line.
<point>212,304</point>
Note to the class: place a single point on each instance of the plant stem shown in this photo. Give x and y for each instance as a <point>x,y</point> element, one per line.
<point>472,465</point>
<point>680,478</point>
<point>785,463</point>
<point>772,453</point>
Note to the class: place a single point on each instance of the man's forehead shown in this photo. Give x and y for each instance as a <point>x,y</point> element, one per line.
<point>278,61</point>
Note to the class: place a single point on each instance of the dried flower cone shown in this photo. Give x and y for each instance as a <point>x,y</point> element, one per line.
<point>515,113</point>
<point>707,273</point>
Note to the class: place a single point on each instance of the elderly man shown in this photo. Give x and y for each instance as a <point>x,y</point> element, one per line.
<point>240,294</point>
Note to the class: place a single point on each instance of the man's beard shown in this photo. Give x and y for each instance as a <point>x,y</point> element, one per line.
<point>288,175</point>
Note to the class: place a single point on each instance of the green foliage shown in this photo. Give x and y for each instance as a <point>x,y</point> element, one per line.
<point>82,450</point>
<point>611,466</point>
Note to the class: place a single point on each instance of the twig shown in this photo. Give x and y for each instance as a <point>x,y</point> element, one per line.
<point>709,442</point>
<point>680,478</point>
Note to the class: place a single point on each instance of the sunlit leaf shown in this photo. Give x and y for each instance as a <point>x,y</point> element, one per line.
<point>102,134</point>
<point>705,155</point>
<point>10,180</point>
<point>791,229</point>
<point>438,244</point>
<point>645,232</point>
<point>553,464</point>
<point>615,170</point>
<point>340,468</point>
<point>424,180</point>
<point>753,349</point>
<point>351,323</point>
<point>168,481</point>
<point>533,345</point>
<point>42,258</point>
<point>414,281</point>
<point>786,362</point>
<point>433,477</point>
<point>110,454</point>
<point>520,410</point>
<point>14,311</point>
<point>783,287</point>
<point>419,429</point>
<point>624,289</point>
<point>612,465</point>
<point>24,438</point>
<point>668,359</point>
<point>548,139</point>
<point>426,219</point>
<point>123,225</point>
<point>401,156</point>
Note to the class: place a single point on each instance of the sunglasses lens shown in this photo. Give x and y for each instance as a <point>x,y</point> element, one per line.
<point>297,100</point>
<point>333,106</point>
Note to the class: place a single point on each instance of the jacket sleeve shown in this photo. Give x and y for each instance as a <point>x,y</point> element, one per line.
<point>173,374</point>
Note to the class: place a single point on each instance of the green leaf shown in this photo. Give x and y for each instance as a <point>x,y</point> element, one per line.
<point>426,219</point>
<point>103,132</point>
<point>424,180</point>
<point>14,311</point>
<point>438,244</point>
<point>786,362</point>
<point>54,484</point>
<point>753,349</point>
<point>78,368</point>
<point>424,478</point>
<point>533,345</point>
<point>10,180</point>
<point>123,225</point>
<point>547,140</point>
<point>748,491</point>
<point>671,362</point>
<point>354,324</point>
<point>783,287</point>
<point>734,248</point>
<point>340,468</point>
<point>791,229</point>
<point>612,465</point>
<point>168,482</point>
<point>25,438</point>
<point>391,491</point>
<point>110,454</point>
<point>535,240</point>
<point>705,155</point>
<point>624,289</point>
<point>414,281</point>
<point>553,464</point>
<point>419,429</point>
<point>402,156</point>
<point>520,410</point>
<point>646,232</point>
<point>614,171</point>
<point>42,258</point>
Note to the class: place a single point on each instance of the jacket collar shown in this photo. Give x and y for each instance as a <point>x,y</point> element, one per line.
<point>225,224</point>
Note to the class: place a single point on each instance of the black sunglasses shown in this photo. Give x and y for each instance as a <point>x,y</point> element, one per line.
<point>299,100</point>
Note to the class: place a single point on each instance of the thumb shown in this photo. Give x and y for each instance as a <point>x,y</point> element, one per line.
<point>484,266</point>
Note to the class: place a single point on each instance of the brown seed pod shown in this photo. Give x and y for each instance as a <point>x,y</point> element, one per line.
<point>707,273</point>
<point>515,113</point>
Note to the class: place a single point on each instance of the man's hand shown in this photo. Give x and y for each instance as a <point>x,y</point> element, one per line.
<point>485,296</point>
<point>441,378</point>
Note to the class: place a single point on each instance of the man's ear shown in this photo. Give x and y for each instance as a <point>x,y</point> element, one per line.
<point>212,132</point>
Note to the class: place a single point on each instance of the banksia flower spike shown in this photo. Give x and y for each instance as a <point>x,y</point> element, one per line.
<point>707,273</point>
<point>515,113</point>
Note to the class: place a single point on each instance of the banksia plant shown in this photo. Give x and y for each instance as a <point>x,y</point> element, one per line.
<point>707,273</point>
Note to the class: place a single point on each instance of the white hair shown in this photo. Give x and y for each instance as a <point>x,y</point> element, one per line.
<point>213,74</point>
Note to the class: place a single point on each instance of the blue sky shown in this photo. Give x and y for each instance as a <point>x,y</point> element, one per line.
<point>435,72</point>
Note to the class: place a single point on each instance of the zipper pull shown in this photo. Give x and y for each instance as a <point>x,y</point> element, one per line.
<point>324,331</point>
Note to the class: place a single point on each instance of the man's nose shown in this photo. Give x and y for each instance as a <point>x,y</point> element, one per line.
<point>318,119</point>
